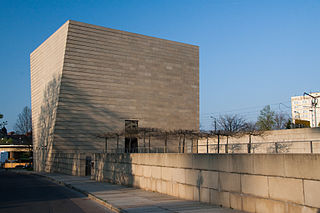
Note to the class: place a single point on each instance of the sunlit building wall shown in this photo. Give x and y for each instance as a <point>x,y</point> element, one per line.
<point>303,109</point>
<point>87,80</point>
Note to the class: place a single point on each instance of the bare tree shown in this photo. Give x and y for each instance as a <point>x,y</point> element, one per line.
<point>231,123</point>
<point>235,148</point>
<point>2,123</point>
<point>279,147</point>
<point>23,124</point>
<point>251,127</point>
<point>280,120</point>
<point>3,130</point>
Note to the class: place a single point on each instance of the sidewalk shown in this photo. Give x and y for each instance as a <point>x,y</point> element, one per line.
<point>126,199</point>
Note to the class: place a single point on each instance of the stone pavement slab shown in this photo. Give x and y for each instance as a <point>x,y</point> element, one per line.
<point>127,199</point>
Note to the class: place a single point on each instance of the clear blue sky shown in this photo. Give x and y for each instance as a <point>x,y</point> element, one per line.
<point>252,53</point>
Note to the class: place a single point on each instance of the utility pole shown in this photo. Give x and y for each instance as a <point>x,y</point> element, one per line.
<point>215,123</point>
<point>314,103</point>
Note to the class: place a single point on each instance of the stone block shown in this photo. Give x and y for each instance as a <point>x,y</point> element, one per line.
<point>142,159</point>
<point>304,166</point>
<point>220,162</point>
<point>192,176</point>
<point>133,169</point>
<point>177,160</point>
<point>214,197</point>
<point>311,193</point>
<point>163,187</point>
<point>136,181</point>
<point>153,184</point>
<point>169,160</point>
<point>286,189</point>
<point>204,195</point>
<point>241,163</point>
<point>158,185</point>
<point>293,208</point>
<point>249,204</point>
<point>269,206</point>
<point>169,187</point>
<point>178,175</point>
<point>254,185</point>
<point>185,192</point>
<point>235,201</point>
<point>268,164</point>
<point>142,182</point>
<point>220,198</point>
<point>138,169</point>
<point>229,182</point>
<point>175,189</point>
<point>147,171</point>
<point>189,190</point>
<point>201,161</point>
<point>182,190</point>
<point>166,173</point>
<point>155,159</point>
<point>156,172</point>
<point>209,179</point>
<point>306,209</point>
<point>196,193</point>
<point>148,183</point>
<point>184,160</point>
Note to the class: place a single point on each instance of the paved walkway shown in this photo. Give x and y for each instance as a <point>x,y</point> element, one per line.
<point>126,199</point>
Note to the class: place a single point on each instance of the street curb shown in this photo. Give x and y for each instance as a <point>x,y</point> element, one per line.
<point>88,194</point>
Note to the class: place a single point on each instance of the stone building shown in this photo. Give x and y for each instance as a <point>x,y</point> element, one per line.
<point>87,80</point>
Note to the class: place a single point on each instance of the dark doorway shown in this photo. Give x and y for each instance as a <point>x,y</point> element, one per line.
<point>131,141</point>
<point>88,166</point>
<point>131,146</point>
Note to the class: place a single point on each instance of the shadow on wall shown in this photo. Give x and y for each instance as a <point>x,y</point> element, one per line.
<point>46,122</point>
<point>199,183</point>
<point>69,122</point>
<point>114,168</point>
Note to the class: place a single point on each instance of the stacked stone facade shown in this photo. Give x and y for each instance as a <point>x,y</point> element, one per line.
<point>87,80</point>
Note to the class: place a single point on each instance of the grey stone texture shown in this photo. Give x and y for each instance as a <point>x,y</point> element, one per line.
<point>87,80</point>
<point>231,185</point>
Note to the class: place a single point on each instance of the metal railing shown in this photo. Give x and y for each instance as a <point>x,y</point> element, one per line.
<point>278,147</point>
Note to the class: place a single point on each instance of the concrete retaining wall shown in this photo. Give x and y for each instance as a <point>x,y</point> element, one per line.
<point>252,183</point>
<point>66,163</point>
<point>290,141</point>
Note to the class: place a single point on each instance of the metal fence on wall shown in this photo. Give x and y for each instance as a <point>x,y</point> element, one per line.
<point>263,147</point>
<point>185,141</point>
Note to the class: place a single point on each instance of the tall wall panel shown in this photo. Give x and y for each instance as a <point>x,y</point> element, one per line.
<point>110,76</point>
<point>46,64</point>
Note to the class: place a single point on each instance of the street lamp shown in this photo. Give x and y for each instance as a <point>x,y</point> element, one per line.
<point>215,123</point>
<point>314,103</point>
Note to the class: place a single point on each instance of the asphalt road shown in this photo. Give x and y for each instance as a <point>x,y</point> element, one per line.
<point>28,193</point>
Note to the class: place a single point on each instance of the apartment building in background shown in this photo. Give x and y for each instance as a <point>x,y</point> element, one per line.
<point>306,108</point>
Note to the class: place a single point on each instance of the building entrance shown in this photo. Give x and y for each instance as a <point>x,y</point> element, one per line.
<point>131,141</point>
